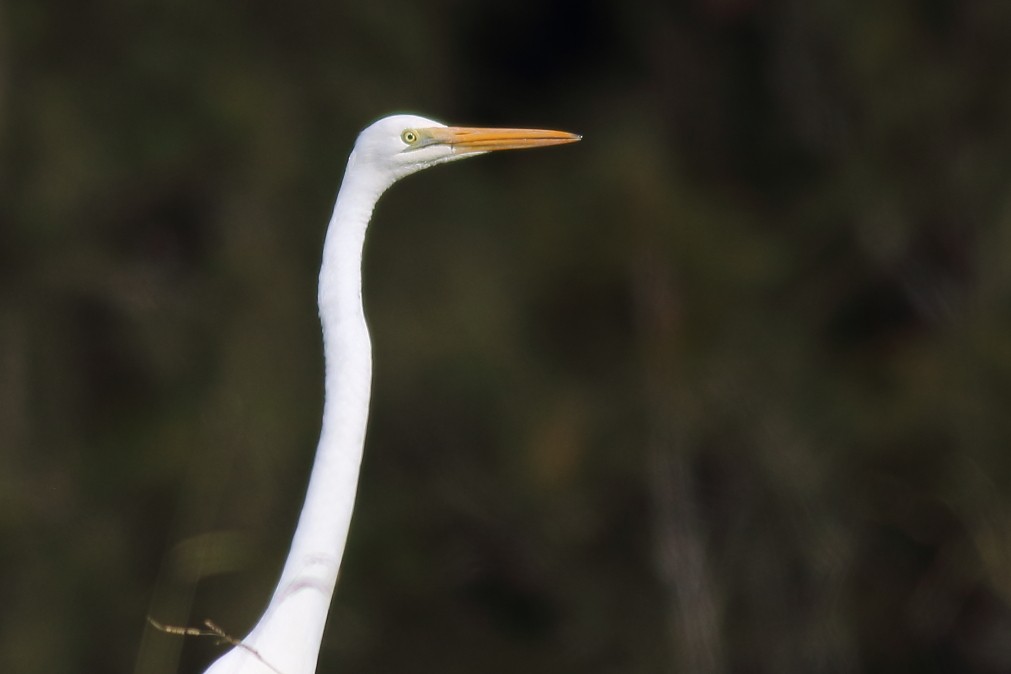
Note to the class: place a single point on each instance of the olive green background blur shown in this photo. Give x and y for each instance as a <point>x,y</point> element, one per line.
<point>723,388</point>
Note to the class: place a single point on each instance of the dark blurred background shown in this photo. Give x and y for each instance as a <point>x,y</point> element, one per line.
<point>723,388</point>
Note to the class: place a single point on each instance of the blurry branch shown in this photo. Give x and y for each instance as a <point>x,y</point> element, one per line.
<point>682,560</point>
<point>678,537</point>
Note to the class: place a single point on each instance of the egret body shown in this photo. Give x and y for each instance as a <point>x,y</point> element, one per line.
<point>287,638</point>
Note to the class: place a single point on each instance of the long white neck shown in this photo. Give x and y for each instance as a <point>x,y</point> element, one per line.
<point>287,638</point>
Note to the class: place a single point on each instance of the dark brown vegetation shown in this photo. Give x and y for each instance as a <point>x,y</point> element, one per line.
<point>724,388</point>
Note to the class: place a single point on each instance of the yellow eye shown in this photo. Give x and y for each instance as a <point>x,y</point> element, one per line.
<point>410,137</point>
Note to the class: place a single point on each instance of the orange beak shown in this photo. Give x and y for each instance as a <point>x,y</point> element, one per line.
<point>468,139</point>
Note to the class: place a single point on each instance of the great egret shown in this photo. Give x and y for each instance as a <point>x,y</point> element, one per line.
<point>286,639</point>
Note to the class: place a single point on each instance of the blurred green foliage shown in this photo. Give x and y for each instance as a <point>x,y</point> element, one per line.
<point>723,388</point>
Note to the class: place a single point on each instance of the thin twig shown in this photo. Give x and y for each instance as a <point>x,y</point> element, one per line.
<point>212,631</point>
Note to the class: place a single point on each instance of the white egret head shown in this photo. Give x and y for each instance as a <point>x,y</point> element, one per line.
<point>399,145</point>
